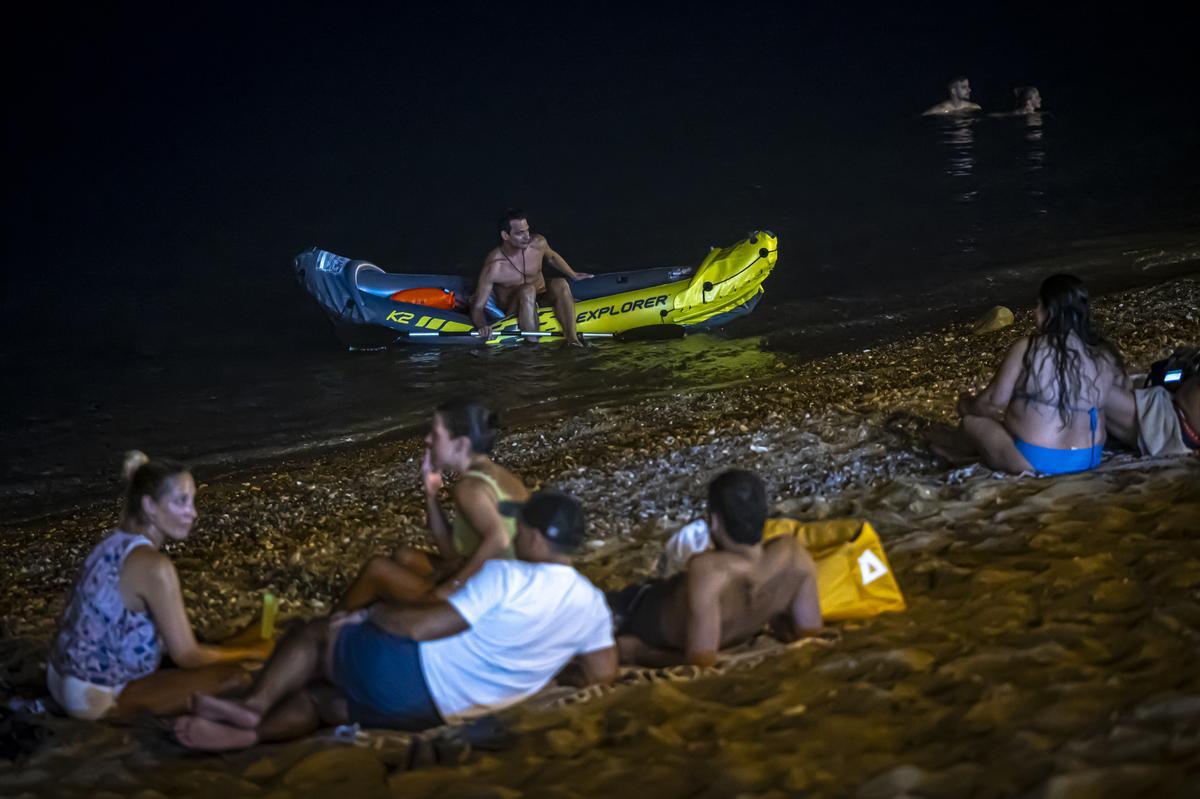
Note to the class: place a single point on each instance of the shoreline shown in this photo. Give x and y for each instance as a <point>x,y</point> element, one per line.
<point>225,449</point>
<point>886,390</point>
<point>1044,632</point>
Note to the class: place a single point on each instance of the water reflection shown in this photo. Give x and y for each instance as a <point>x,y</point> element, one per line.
<point>1035,163</point>
<point>958,137</point>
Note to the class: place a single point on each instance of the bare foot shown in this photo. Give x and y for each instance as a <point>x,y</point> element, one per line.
<point>946,443</point>
<point>225,711</point>
<point>211,736</point>
<point>953,457</point>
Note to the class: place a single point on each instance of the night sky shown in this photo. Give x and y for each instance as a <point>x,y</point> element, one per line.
<point>156,149</point>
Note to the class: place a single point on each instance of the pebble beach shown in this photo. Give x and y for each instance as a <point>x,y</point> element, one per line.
<point>1051,647</point>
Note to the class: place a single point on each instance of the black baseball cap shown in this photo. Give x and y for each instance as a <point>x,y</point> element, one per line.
<point>557,516</point>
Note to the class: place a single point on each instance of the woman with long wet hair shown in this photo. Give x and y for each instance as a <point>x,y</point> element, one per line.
<point>127,607</point>
<point>1043,409</point>
<point>459,441</point>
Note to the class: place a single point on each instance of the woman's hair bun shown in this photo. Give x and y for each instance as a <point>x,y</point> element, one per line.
<point>134,460</point>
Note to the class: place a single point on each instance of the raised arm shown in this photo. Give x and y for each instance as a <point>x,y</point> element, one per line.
<point>558,261</point>
<point>478,505</point>
<point>994,399</point>
<point>151,575</point>
<point>439,528</point>
<point>483,290</point>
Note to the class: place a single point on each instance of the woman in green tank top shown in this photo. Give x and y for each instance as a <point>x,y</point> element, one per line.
<point>459,441</point>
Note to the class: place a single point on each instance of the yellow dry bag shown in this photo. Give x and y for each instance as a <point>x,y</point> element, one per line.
<point>854,578</point>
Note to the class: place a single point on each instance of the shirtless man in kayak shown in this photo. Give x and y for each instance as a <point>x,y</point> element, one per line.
<point>514,272</point>
<point>726,595</point>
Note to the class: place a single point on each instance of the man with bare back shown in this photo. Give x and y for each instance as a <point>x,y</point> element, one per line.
<point>726,595</point>
<point>513,271</point>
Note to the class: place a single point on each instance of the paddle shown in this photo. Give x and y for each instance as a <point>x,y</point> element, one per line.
<point>649,333</point>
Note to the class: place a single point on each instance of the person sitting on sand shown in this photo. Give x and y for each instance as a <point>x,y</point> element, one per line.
<point>1155,420</point>
<point>460,437</point>
<point>959,102</point>
<point>726,595</point>
<point>513,271</point>
<point>1043,409</point>
<point>127,604</point>
<point>499,639</point>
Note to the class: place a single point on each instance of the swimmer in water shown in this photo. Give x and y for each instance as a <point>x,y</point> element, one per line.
<point>959,102</point>
<point>1029,103</point>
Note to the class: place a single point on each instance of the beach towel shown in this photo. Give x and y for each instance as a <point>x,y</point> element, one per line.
<point>1158,423</point>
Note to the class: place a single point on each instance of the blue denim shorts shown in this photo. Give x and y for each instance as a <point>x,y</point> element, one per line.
<point>382,679</point>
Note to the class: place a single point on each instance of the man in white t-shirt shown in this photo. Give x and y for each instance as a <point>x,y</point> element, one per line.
<point>501,638</point>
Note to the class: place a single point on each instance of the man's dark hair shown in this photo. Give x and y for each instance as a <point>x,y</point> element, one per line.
<point>739,498</point>
<point>556,516</point>
<point>504,223</point>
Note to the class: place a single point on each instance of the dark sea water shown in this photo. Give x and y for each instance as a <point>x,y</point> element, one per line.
<point>150,302</point>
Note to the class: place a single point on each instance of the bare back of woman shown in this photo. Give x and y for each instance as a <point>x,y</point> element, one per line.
<point>1043,409</point>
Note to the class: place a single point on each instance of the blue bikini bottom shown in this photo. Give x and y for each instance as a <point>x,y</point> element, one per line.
<point>1060,461</point>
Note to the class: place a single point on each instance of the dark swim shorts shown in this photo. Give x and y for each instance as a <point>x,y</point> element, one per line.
<point>381,677</point>
<point>637,610</point>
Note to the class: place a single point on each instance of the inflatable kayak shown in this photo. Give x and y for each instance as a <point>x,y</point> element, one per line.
<point>371,308</point>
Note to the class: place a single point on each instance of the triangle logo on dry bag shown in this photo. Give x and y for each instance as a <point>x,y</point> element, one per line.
<point>871,566</point>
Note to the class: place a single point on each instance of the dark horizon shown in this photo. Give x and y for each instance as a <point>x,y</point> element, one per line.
<point>148,139</point>
<point>167,168</point>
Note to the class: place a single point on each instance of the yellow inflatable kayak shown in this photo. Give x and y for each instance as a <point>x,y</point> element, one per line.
<point>366,302</point>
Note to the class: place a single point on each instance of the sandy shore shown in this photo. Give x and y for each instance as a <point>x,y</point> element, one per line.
<point>1052,646</point>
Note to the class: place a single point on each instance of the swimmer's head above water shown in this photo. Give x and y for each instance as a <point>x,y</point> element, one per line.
<point>960,99</point>
<point>960,89</point>
<point>1029,100</point>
